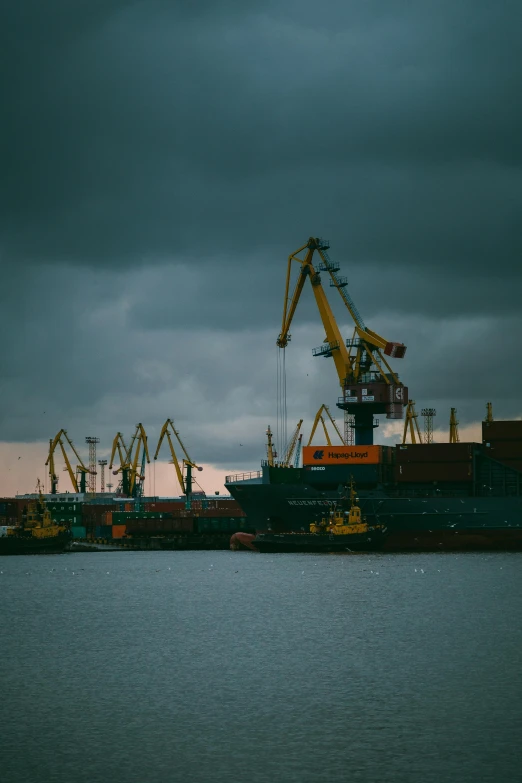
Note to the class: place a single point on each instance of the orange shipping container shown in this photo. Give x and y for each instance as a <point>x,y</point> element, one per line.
<point>108,518</point>
<point>118,531</point>
<point>342,455</point>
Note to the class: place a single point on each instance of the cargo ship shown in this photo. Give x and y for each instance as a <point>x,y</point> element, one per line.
<point>427,497</point>
<point>36,533</point>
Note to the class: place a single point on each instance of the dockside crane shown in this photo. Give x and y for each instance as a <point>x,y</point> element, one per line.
<point>119,447</point>
<point>454,427</point>
<point>289,452</point>
<point>132,461</point>
<point>185,482</point>
<point>368,382</point>
<point>320,418</point>
<point>411,424</point>
<point>81,471</point>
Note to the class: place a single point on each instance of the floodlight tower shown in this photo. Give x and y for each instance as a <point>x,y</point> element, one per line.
<point>92,441</point>
<point>428,414</point>
<point>102,463</point>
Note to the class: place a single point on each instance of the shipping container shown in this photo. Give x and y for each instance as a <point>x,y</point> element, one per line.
<point>118,531</point>
<point>121,517</point>
<point>164,506</point>
<point>501,430</point>
<point>150,526</point>
<point>435,452</point>
<point>428,472</point>
<point>79,532</point>
<point>342,455</point>
<point>503,449</point>
<point>103,531</point>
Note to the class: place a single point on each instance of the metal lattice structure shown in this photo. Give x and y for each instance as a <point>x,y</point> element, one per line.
<point>349,422</point>
<point>102,463</point>
<point>428,414</point>
<point>92,441</point>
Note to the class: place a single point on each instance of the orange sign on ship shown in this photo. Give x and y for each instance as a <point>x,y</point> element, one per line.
<point>342,455</point>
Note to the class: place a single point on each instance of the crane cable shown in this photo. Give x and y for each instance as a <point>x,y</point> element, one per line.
<point>281,404</point>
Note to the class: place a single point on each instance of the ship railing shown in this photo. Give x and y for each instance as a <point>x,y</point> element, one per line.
<point>242,476</point>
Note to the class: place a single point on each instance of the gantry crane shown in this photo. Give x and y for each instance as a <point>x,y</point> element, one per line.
<point>411,423</point>
<point>319,418</point>
<point>368,382</point>
<point>130,462</point>
<point>287,459</point>
<point>185,483</point>
<point>80,471</point>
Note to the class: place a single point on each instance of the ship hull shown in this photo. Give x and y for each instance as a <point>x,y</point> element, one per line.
<point>29,545</point>
<point>435,523</point>
<point>317,543</point>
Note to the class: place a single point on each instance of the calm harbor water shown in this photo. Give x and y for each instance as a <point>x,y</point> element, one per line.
<point>228,667</point>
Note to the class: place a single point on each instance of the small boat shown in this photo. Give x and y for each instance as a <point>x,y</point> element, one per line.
<point>37,532</point>
<point>341,530</point>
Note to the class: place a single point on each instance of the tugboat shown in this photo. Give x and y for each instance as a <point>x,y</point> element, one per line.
<point>37,533</point>
<point>340,531</point>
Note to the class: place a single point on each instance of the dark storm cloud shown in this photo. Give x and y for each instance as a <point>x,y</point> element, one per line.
<point>160,161</point>
<point>140,130</point>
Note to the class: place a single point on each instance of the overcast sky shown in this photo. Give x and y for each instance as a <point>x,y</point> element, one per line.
<point>160,161</point>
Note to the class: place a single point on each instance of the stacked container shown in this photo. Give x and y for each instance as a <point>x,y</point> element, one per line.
<point>427,463</point>
<point>502,441</point>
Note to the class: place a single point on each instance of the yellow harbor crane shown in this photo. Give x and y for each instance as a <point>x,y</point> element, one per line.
<point>80,471</point>
<point>411,423</point>
<point>320,418</point>
<point>368,382</point>
<point>185,483</point>
<point>454,427</point>
<point>289,453</point>
<point>132,461</point>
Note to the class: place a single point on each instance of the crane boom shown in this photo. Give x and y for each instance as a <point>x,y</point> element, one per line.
<point>297,457</point>
<point>319,418</point>
<point>186,485</point>
<point>411,423</point>
<point>58,440</point>
<point>287,459</point>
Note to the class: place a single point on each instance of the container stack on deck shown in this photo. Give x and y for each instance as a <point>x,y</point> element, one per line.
<point>327,465</point>
<point>426,463</point>
<point>502,441</point>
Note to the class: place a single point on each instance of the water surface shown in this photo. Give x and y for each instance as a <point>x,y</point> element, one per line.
<point>212,667</point>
